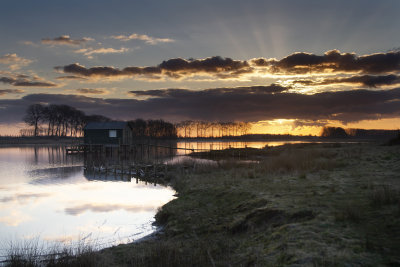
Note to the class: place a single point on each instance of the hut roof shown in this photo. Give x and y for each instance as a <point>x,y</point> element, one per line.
<point>112,125</point>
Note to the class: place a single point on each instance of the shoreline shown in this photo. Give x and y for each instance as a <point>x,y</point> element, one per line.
<point>150,237</point>
<point>296,210</point>
<point>300,204</point>
<point>16,141</point>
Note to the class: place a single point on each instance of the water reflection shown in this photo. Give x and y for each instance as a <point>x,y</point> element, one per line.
<point>187,147</point>
<point>77,210</point>
<point>105,177</point>
<point>54,175</point>
<point>45,193</point>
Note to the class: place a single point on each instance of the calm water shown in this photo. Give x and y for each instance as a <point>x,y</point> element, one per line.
<point>44,194</point>
<point>219,145</point>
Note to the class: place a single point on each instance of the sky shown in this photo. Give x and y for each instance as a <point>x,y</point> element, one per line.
<point>285,66</point>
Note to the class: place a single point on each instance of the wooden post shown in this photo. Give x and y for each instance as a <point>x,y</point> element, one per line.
<point>148,151</point>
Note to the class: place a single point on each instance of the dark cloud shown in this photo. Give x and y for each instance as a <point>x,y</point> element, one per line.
<point>66,40</point>
<point>173,68</point>
<point>298,63</point>
<point>226,104</point>
<point>70,77</point>
<point>332,61</point>
<point>11,91</point>
<point>249,104</point>
<point>365,80</point>
<point>208,65</point>
<point>91,91</point>
<point>23,80</point>
<point>212,92</point>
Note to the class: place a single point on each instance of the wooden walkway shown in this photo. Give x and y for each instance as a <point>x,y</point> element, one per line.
<point>85,148</point>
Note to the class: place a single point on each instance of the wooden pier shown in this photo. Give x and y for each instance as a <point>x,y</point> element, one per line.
<point>75,149</point>
<point>139,170</point>
<point>88,148</point>
<point>149,173</point>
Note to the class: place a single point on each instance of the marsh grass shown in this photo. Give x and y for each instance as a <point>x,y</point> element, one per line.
<point>384,195</point>
<point>168,254</point>
<point>299,161</point>
<point>34,253</point>
<point>27,253</point>
<point>349,213</point>
<point>284,160</point>
<point>331,185</point>
<point>394,141</point>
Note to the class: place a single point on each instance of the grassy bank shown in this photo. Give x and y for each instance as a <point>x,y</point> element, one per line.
<point>306,204</point>
<point>318,204</point>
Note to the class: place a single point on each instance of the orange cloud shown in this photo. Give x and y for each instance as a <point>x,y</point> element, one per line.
<point>14,61</point>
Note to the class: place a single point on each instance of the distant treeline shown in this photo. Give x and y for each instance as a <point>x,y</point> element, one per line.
<point>197,129</point>
<point>153,128</point>
<point>64,120</point>
<point>338,132</point>
<point>57,120</point>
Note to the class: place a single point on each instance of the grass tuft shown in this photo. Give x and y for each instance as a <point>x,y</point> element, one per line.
<point>348,212</point>
<point>384,195</point>
<point>34,254</point>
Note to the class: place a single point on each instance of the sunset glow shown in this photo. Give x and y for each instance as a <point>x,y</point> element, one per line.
<point>200,133</point>
<point>259,69</point>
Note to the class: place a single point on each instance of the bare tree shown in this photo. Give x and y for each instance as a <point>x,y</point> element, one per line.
<point>34,114</point>
<point>61,120</point>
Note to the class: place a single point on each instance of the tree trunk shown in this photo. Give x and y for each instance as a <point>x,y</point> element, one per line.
<point>36,128</point>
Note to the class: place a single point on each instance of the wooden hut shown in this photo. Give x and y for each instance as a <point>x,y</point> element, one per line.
<point>114,133</point>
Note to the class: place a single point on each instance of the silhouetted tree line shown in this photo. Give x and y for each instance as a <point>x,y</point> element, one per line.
<point>338,132</point>
<point>153,128</point>
<point>334,132</point>
<point>57,120</point>
<point>212,129</point>
<point>64,120</point>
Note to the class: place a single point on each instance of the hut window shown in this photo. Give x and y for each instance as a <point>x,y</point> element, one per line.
<point>112,133</point>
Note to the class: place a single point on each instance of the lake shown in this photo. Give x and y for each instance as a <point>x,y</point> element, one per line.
<point>219,145</point>
<point>45,195</point>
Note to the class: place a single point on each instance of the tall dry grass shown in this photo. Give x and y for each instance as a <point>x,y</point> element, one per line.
<point>299,161</point>
<point>34,253</point>
<point>384,195</point>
